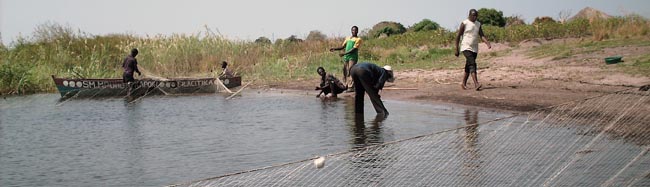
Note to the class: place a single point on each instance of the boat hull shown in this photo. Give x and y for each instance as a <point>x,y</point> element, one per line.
<point>115,87</point>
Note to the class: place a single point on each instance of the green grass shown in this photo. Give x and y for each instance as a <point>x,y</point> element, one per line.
<point>565,50</point>
<point>26,64</point>
<point>639,66</point>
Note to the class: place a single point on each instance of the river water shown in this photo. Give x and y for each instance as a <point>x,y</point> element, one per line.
<point>163,140</point>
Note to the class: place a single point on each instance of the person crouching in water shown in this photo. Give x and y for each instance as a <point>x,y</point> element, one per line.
<point>330,86</point>
<point>370,78</point>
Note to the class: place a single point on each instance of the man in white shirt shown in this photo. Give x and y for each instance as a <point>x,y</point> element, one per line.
<point>470,30</point>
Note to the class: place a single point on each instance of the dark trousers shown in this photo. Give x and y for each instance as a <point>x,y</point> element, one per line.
<point>126,77</point>
<point>365,82</point>
<point>470,61</point>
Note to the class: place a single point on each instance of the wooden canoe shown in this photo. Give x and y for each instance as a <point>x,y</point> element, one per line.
<point>68,87</point>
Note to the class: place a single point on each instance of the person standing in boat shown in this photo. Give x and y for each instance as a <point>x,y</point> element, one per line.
<point>130,66</point>
<point>226,73</point>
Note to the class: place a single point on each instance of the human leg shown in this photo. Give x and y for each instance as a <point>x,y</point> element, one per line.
<point>364,82</point>
<point>350,83</point>
<point>470,68</point>
<point>465,76</point>
<point>359,90</point>
<point>375,98</point>
<point>477,85</point>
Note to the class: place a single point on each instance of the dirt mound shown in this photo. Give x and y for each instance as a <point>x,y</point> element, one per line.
<point>590,14</point>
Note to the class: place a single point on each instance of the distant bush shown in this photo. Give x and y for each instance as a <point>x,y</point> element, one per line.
<point>543,20</point>
<point>490,16</point>
<point>293,38</point>
<point>316,36</point>
<point>386,28</point>
<point>631,25</point>
<point>514,20</point>
<point>424,25</point>
<point>263,40</point>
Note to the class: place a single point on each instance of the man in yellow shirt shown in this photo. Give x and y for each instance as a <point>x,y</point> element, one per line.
<point>350,56</point>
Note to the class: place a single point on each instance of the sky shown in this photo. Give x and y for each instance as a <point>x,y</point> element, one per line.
<point>250,19</point>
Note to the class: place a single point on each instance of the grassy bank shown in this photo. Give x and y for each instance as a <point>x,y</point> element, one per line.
<point>26,65</point>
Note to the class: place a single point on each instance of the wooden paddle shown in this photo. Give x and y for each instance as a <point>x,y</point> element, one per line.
<point>242,88</point>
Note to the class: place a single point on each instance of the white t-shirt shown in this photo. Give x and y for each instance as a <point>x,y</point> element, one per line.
<point>470,36</point>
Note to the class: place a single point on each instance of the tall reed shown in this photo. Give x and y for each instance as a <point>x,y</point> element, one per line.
<point>26,64</point>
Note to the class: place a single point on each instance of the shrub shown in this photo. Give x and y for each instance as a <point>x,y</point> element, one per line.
<point>386,28</point>
<point>543,20</point>
<point>316,36</point>
<point>514,20</point>
<point>263,40</point>
<point>491,17</point>
<point>424,25</point>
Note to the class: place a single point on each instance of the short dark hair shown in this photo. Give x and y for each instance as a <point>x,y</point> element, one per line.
<point>224,64</point>
<point>472,11</point>
<point>355,27</point>
<point>319,69</point>
<point>134,51</point>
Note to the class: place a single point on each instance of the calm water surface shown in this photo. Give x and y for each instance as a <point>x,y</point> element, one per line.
<point>163,140</point>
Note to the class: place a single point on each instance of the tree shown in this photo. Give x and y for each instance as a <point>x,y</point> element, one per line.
<point>386,28</point>
<point>315,36</point>
<point>514,20</point>
<point>424,25</point>
<point>564,15</point>
<point>491,17</point>
<point>293,38</point>
<point>543,20</point>
<point>263,40</point>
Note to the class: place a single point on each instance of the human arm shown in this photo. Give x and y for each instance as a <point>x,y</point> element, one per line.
<point>336,48</point>
<point>382,79</point>
<point>340,47</point>
<point>353,50</point>
<point>461,31</point>
<point>480,33</point>
<point>135,67</point>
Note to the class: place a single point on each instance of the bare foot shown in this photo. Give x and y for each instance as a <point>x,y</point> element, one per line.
<point>464,87</point>
<point>478,88</point>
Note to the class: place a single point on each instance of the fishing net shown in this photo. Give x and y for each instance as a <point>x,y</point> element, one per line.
<point>600,141</point>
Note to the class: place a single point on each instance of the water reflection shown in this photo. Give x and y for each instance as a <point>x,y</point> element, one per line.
<point>368,164</point>
<point>363,134</point>
<point>134,145</point>
<point>166,139</point>
<point>471,163</point>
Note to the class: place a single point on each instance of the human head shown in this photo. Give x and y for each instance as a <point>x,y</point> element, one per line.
<point>473,15</point>
<point>389,70</point>
<point>224,64</point>
<point>134,52</point>
<point>321,71</point>
<point>354,30</point>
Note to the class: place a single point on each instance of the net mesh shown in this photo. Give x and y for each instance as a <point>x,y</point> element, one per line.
<point>597,141</point>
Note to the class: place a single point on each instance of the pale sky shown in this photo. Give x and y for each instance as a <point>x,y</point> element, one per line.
<point>250,19</point>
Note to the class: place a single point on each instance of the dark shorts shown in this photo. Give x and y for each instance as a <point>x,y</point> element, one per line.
<point>127,78</point>
<point>337,89</point>
<point>470,61</point>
